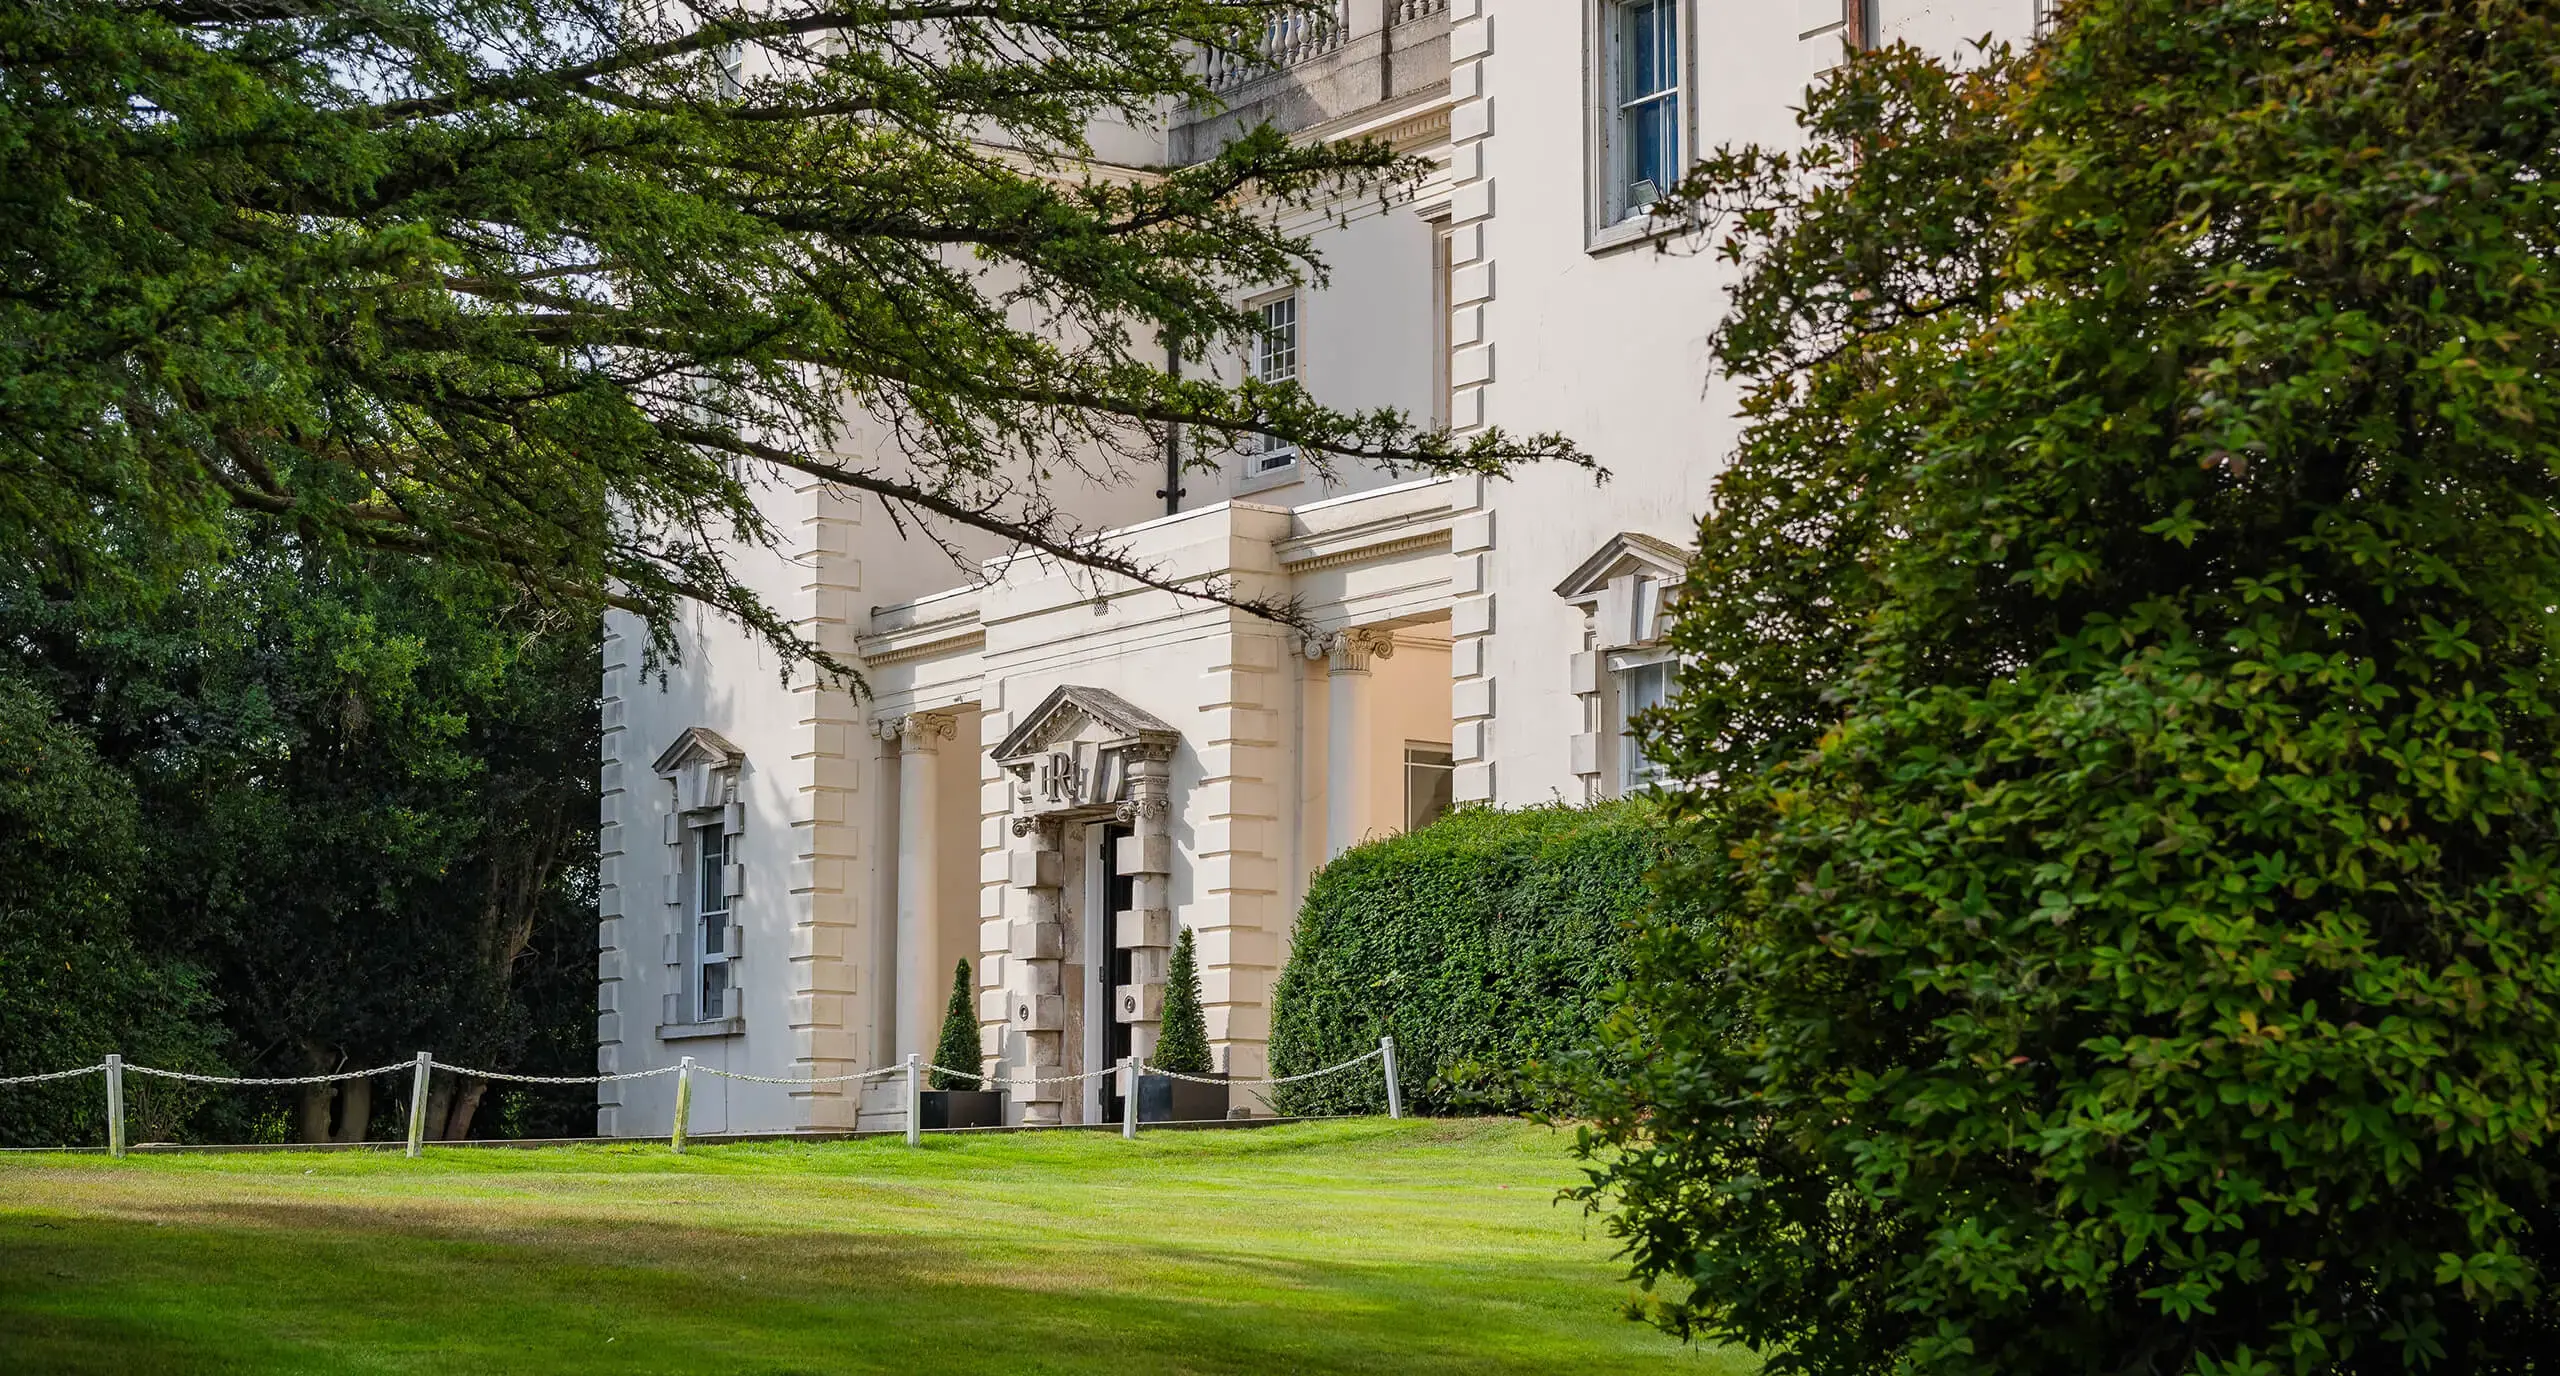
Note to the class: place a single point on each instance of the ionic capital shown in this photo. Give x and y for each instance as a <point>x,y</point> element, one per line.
<point>1351,650</point>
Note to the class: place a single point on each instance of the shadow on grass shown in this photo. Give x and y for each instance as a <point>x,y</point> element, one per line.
<point>313,1286</point>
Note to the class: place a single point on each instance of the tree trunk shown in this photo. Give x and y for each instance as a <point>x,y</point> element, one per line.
<point>311,1112</point>
<point>355,1109</point>
<point>439,1103</point>
<point>466,1106</point>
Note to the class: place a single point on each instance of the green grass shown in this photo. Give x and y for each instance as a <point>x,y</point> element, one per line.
<point>1361,1246</point>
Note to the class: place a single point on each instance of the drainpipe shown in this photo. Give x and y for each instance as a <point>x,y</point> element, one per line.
<point>1172,491</point>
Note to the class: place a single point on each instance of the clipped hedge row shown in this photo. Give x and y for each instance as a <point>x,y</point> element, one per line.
<point>1486,943</point>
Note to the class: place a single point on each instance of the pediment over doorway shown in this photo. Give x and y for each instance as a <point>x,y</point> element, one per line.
<point>1072,753</point>
<point>1078,713</point>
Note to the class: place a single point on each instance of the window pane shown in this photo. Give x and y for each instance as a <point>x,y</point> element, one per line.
<point>711,863</point>
<point>1653,146</point>
<point>1651,43</point>
<point>1640,689</point>
<point>1276,360</point>
<point>715,991</point>
<point>1647,79</point>
<point>1428,774</point>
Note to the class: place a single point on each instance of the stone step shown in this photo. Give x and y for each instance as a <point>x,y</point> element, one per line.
<point>883,1107</point>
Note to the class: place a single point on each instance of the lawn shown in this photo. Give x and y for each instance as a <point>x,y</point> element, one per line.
<point>1363,1246</point>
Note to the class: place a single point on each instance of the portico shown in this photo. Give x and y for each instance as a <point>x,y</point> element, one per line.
<point>1143,762</point>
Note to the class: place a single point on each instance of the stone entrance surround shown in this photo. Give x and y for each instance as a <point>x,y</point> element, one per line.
<point>1083,755</point>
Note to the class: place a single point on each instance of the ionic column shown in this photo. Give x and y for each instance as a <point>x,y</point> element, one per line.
<point>920,974</point>
<point>1350,752</point>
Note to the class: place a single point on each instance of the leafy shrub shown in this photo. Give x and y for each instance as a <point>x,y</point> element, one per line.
<point>1487,943</point>
<point>2123,680</point>
<point>1184,1045</point>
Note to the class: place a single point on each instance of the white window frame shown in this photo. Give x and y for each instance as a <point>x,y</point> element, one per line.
<point>1438,756</point>
<point>1267,455</point>
<point>1628,771</point>
<point>709,872</point>
<point>1612,220</point>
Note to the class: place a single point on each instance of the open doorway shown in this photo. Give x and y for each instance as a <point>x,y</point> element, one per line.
<point>1107,966</point>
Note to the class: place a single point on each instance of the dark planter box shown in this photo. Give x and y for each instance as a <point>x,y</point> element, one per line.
<point>1164,1099</point>
<point>961,1108</point>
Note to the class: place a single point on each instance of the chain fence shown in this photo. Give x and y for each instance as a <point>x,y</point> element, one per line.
<point>914,1068</point>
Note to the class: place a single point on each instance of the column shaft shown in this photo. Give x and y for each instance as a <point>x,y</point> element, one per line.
<point>920,976</point>
<point>1350,746</point>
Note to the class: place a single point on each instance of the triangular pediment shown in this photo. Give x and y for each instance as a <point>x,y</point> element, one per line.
<point>1074,712</point>
<point>1625,553</point>
<point>700,745</point>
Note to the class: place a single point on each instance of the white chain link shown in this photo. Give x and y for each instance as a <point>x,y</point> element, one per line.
<point>1036,1080</point>
<point>514,1078</point>
<point>780,1080</point>
<point>279,1080</point>
<point>1281,1080</point>
<point>55,1075</point>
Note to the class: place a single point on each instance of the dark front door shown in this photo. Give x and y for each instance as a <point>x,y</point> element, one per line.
<point>1111,966</point>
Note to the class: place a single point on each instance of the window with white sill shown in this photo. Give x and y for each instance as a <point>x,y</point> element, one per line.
<point>1640,114</point>
<point>1640,684</point>
<point>713,939</point>
<point>1624,670</point>
<point>1274,360</point>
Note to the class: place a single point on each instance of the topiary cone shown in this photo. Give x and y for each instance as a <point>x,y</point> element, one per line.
<point>958,1048</point>
<point>1184,1044</point>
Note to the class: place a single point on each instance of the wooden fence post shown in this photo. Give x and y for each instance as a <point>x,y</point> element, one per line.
<point>684,1104</point>
<point>1395,1090</point>
<point>418,1102</point>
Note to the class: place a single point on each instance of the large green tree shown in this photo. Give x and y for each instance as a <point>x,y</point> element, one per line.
<point>2121,716</point>
<point>74,983</point>
<point>366,799</point>
<point>549,288</point>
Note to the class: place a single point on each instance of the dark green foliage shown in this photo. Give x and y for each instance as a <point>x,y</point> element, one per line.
<point>2122,683</point>
<point>958,1049</point>
<point>366,797</point>
<point>1487,943</point>
<point>74,986</point>
<point>1183,1045</point>
<point>549,288</point>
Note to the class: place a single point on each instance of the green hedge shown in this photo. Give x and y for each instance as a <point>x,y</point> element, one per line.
<point>1487,943</point>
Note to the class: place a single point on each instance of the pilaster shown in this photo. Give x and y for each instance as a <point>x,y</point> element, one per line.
<point>1471,376</point>
<point>616,823</point>
<point>1237,903</point>
<point>826,933</point>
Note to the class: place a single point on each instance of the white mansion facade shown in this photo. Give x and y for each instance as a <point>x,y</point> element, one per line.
<point>1051,778</point>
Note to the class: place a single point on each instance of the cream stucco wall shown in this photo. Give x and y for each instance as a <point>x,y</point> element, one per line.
<point>1542,331</point>
<point>1606,345</point>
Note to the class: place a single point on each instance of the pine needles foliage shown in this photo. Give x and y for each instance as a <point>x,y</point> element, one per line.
<point>958,1048</point>
<point>1183,1046</point>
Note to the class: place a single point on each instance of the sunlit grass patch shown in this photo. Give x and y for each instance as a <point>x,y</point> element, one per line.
<point>1361,1246</point>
